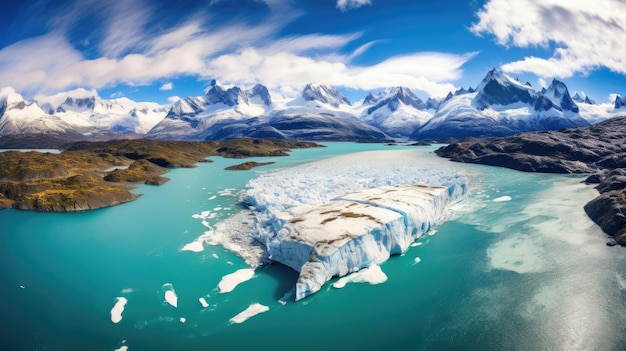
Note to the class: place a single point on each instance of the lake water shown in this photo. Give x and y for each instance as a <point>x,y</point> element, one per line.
<point>526,272</point>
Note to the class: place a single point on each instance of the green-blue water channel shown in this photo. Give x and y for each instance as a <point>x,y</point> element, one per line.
<point>531,273</point>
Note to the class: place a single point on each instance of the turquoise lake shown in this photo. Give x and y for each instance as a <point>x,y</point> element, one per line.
<point>529,271</point>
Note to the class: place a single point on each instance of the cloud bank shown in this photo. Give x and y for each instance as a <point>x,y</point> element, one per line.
<point>584,35</point>
<point>234,52</point>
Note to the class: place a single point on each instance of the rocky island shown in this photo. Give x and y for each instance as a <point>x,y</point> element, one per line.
<point>91,175</point>
<point>599,150</point>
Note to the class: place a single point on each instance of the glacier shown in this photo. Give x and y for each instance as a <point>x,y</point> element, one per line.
<point>339,215</point>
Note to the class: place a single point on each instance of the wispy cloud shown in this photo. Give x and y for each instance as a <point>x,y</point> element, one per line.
<point>283,71</point>
<point>233,52</point>
<point>167,86</point>
<point>585,35</point>
<point>345,5</point>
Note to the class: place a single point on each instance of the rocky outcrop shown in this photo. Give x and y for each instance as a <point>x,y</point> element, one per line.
<point>91,175</point>
<point>599,149</point>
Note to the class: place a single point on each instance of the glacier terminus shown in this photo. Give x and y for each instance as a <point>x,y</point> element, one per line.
<point>334,217</point>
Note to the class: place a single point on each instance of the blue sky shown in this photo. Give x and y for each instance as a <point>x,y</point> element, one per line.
<point>158,50</point>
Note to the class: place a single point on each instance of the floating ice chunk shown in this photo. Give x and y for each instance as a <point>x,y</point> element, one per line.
<point>170,295</point>
<point>417,260</point>
<point>214,255</point>
<point>127,290</point>
<point>213,197</point>
<point>230,281</point>
<point>252,310</point>
<point>122,348</point>
<point>22,287</point>
<point>288,296</point>
<point>417,243</point>
<point>183,319</point>
<point>194,246</point>
<point>373,275</point>
<point>203,302</point>
<point>432,232</point>
<point>116,311</point>
<point>217,209</point>
<point>502,199</point>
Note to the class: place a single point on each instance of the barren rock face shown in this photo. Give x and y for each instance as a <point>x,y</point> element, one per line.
<point>599,149</point>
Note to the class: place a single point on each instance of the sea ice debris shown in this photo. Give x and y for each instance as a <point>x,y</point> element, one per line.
<point>372,274</point>
<point>502,199</point>
<point>230,281</point>
<point>170,295</point>
<point>118,308</point>
<point>252,310</point>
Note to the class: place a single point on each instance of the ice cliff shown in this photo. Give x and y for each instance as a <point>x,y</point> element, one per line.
<point>332,217</point>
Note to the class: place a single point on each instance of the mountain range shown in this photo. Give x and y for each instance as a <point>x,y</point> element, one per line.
<point>498,106</point>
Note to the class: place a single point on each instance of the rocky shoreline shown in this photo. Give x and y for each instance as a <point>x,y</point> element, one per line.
<point>91,175</point>
<point>598,150</point>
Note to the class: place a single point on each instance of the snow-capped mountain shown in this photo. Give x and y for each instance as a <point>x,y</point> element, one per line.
<point>85,108</point>
<point>319,113</point>
<point>397,111</point>
<point>324,94</point>
<point>581,97</point>
<point>501,106</point>
<point>18,116</point>
<point>205,117</point>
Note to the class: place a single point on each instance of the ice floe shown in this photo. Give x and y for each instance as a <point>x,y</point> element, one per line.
<point>502,199</point>
<point>170,295</point>
<point>203,302</point>
<point>372,274</point>
<point>118,309</point>
<point>251,311</point>
<point>230,281</point>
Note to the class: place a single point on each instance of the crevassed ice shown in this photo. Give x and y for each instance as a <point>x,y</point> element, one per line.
<point>336,216</point>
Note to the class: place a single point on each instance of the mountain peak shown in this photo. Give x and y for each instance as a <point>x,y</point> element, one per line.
<point>230,97</point>
<point>499,89</point>
<point>261,92</point>
<point>558,93</point>
<point>620,102</point>
<point>325,94</point>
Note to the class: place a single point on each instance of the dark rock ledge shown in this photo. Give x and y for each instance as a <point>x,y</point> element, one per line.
<point>598,150</point>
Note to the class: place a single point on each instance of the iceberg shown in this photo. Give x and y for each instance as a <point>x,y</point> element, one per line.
<point>116,311</point>
<point>341,215</point>
<point>170,295</point>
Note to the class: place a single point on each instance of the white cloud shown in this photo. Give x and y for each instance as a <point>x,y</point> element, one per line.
<point>167,86</point>
<point>282,71</point>
<point>345,5</point>
<point>50,63</point>
<point>586,35</point>
<point>173,99</point>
